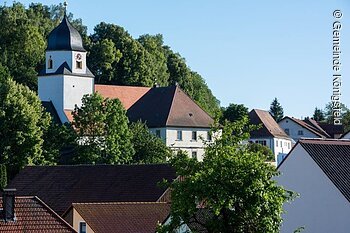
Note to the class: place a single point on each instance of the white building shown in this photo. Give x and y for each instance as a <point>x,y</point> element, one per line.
<point>168,111</point>
<point>270,134</point>
<point>317,169</point>
<point>298,129</point>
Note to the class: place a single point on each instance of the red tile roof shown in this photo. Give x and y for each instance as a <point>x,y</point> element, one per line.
<point>60,186</point>
<point>269,127</point>
<point>128,95</point>
<point>127,217</point>
<point>169,106</point>
<point>33,215</point>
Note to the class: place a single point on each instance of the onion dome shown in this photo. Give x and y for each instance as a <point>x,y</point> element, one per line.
<point>65,37</point>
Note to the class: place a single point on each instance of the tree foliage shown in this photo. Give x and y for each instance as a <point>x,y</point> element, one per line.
<point>148,147</point>
<point>102,130</point>
<point>233,186</point>
<point>276,110</point>
<point>3,176</point>
<point>234,112</point>
<point>22,125</point>
<point>318,115</point>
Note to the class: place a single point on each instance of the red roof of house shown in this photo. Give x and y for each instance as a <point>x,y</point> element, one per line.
<point>126,217</point>
<point>269,127</point>
<point>169,106</point>
<point>60,186</point>
<point>33,215</point>
<point>128,95</point>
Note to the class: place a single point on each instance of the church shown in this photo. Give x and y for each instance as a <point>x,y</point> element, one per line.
<point>168,112</point>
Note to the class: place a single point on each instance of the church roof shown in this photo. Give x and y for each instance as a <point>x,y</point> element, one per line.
<point>66,70</point>
<point>65,37</point>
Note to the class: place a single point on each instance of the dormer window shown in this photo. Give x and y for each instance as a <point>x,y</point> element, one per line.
<point>50,63</point>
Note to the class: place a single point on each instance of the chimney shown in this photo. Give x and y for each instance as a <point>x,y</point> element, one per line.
<point>8,204</point>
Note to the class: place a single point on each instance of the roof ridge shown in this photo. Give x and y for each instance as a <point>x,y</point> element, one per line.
<point>98,84</point>
<point>120,203</point>
<point>171,106</point>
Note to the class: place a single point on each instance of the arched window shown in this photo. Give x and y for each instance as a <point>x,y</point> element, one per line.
<point>79,65</point>
<point>50,63</point>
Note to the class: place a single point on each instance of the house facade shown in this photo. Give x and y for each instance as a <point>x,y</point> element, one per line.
<point>269,134</point>
<point>167,111</point>
<point>298,129</point>
<point>317,169</point>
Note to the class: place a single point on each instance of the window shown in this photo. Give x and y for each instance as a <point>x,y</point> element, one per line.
<point>261,142</point>
<point>50,63</point>
<point>158,133</point>
<point>179,135</point>
<point>209,138</point>
<point>194,154</point>
<point>281,143</point>
<point>300,132</point>
<point>82,227</point>
<point>288,145</point>
<point>194,135</point>
<point>276,143</point>
<point>79,65</point>
<point>286,131</point>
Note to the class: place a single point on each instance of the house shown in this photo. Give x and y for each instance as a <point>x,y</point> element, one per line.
<point>298,129</point>
<point>29,214</point>
<point>168,112</point>
<point>270,134</point>
<point>126,217</point>
<point>345,135</point>
<point>318,170</point>
<point>60,186</point>
<point>334,131</point>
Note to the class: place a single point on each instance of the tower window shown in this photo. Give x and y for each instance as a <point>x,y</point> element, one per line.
<point>50,63</point>
<point>79,65</point>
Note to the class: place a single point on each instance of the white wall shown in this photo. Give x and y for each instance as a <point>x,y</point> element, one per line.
<point>74,89</point>
<point>275,145</point>
<point>321,207</point>
<point>59,57</point>
<point>346,136</point>
<point>169,135</point>
<point>294,128</point>
<point>50,88</point>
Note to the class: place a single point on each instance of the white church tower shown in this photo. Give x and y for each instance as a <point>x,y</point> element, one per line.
<point>66,77</point>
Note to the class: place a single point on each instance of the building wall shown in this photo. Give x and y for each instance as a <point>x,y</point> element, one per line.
<point>294,128</point>
<point>50,89</point>
<point>75,88</point>
<point>321,207</point>
<point>58,58</point>
<point>280,146</point>
<point>346,136</point>
<point>169,136</point>
<point>74,219</point>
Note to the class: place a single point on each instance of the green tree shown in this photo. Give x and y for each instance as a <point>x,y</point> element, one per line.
<point>264,150</point>
<point>22,124</point>
<point>318,115</point>
<point>233,186</point>
<point>103,133</point>
<point>234,112</point>
<point>328,111</point>
<point>276,110</point>
<point>148,147</point>
<point>3,176</point>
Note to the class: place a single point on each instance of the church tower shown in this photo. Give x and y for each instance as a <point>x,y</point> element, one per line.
<point>65,78</point>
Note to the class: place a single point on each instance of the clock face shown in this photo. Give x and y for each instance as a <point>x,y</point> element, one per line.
<point>78,56</point>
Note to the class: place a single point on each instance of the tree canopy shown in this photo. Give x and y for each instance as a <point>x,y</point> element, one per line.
<point>22,125</point>
<point>102,130</point>
<point>234,112</point>
<point>318,115</point>
<point>276,110</point>
<point>233,187</point>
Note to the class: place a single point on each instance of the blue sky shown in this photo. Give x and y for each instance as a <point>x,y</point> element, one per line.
<point>247,51</point>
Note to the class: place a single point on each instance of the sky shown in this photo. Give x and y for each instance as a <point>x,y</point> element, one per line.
<point>248,51</point>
